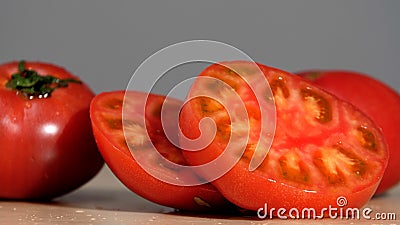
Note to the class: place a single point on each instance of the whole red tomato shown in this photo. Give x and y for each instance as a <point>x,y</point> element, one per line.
<point>323,150</point>
<point>374,98</point>
<point>47,146</point>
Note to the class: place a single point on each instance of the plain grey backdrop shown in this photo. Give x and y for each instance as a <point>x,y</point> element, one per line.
<point>103,41</point>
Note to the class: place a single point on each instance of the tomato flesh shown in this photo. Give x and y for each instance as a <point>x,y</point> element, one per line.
<point>322,148</point>
<point>109,126</point>
<point>376,99</point>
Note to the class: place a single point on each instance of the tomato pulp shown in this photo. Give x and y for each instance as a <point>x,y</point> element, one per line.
<point>109,126</point>
<point>322,148</point>
<point>376,99</point>
<point>48,148</point>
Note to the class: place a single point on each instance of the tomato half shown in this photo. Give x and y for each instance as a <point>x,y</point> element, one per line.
<point>376,99</point>
<point>323,148</point>
<point>47,146</point>
<point>106,114</point>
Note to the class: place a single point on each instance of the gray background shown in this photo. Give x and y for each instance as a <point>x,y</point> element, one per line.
<point>103,42</point>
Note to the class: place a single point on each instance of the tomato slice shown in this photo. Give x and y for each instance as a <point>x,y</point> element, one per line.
<point>376,99</point>
<point>322,147</point>
<point>106,116</point>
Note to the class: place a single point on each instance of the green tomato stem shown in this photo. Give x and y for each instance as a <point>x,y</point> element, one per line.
<point>31,84</point>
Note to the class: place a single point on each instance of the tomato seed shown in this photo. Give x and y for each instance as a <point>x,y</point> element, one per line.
<point>367,138</point>
<point>324,115</point>
<point>114,123</point>
<point>114,104</point>
<point>279,88</point>
<point>199,201</point>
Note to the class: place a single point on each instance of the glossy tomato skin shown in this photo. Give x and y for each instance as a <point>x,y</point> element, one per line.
<point>106,115</point>
<point>317,156</point>
<point>376,99</point>
<point>47,147</point>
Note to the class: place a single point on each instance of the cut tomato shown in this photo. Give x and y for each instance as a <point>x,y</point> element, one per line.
<point>322,148</point>
<point>374,98</point>
<point>106,115</point>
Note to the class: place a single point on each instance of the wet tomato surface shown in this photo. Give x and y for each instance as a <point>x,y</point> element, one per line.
<point>48,148</point>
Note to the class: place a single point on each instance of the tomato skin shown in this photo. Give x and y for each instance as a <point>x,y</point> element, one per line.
<point>48,148</point>
<point>281,196</point>
<point>268,184</point>
<point>376,99</point>
<point>121,162</point>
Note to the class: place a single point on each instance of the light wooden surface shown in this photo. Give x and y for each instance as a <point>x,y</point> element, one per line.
<point>104,200</point>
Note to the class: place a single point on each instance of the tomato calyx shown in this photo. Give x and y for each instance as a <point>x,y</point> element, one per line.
<point>31,84</point>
